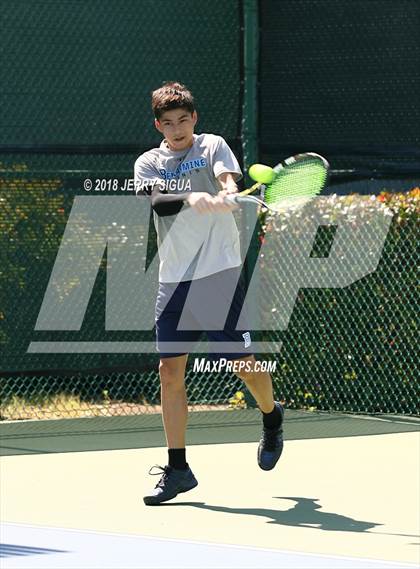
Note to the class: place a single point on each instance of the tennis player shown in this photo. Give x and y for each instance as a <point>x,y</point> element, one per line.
<point>187,177</point>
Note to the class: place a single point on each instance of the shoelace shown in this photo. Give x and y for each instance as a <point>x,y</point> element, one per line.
<point>163,470</point>
<point>269,439</point>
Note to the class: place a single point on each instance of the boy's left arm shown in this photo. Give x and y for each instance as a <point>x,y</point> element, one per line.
<point>225,167</point>
<point>227,181</point>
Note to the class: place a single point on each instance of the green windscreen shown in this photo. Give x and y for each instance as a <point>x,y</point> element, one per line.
<point>341,78</point>
<point>81,73</point>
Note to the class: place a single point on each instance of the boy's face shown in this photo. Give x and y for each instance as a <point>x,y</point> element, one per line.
<point>177,126</point>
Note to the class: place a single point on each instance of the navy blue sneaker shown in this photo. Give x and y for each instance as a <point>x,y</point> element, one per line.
<point>172,483</point>
<point>271,444</point>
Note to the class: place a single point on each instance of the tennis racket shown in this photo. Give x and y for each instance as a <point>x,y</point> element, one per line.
<point>293,183</point>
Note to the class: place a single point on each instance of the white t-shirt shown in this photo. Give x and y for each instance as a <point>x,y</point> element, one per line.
<point>192,245</point>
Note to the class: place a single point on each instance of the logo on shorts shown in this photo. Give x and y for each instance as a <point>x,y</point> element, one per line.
<point>247,339</point>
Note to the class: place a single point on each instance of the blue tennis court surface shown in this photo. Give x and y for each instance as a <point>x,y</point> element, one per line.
<point>28,546</point>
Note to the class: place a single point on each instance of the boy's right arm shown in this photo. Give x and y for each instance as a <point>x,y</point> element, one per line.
<point>147,182</point>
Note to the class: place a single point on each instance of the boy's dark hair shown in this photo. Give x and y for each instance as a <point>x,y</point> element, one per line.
<point>171,96</point>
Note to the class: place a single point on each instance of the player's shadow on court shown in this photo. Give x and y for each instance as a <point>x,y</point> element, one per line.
<point>305,513</point>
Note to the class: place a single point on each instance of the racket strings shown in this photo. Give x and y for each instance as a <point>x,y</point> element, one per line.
<point>302,181</point>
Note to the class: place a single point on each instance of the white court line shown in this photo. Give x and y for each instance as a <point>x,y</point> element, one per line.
<point>35,547</point>
<point>409,421</point>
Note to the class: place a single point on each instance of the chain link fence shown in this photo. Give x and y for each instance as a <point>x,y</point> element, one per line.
<point>352,348</point>
<point>77,106</point>
<point>345,349</point>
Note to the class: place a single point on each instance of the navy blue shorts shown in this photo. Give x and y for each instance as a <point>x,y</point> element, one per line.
<point>211,305</point>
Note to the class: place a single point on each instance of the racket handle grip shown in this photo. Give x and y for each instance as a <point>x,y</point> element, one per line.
<point>231,199</point>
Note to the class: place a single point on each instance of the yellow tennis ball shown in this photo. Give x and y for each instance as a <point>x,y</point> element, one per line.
<point>261,173</point>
